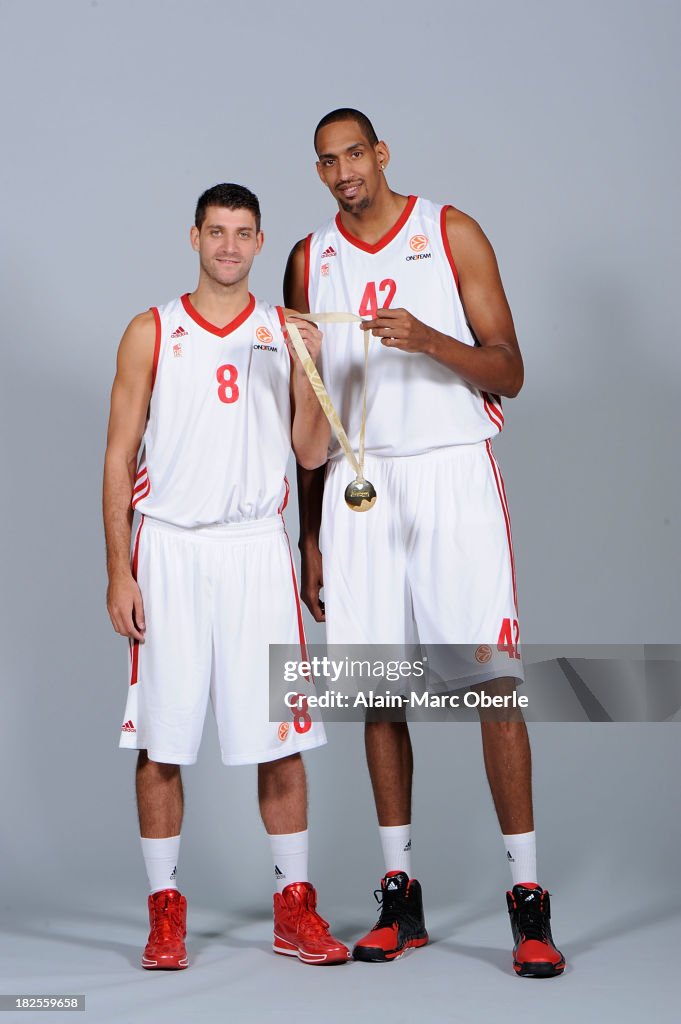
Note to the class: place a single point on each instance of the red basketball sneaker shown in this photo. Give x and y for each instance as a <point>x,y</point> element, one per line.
<point>534,954</point>
<point>165,949</point>
<point>400,926</point>
<point>300,931</point>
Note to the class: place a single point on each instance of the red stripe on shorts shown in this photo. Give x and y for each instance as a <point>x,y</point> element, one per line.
<point>498,479</point>
<point>134,644</point>
<point>299,610</point>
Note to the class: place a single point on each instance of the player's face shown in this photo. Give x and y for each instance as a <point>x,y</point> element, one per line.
<point>227,244</point>
<point>349,165</point>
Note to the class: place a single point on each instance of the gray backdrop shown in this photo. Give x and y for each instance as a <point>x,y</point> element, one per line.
<point>552,124</point>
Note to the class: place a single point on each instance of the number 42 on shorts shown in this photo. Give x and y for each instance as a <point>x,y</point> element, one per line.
<point>509,636</point>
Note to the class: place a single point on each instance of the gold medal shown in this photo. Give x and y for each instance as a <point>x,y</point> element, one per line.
<point>360,495</point>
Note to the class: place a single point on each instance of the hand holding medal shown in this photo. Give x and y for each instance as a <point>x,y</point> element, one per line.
<point>360,494</point>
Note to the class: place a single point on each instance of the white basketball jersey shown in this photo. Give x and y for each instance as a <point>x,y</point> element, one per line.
<point>219,430</point>
<point>414,404</point>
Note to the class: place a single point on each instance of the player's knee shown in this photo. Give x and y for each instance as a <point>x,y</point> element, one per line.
<point>162,768</point>
<point>381,722</point>
<point>293,763</point>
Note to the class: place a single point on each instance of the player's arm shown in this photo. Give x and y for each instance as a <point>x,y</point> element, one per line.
<point>495,364</point>
<point>129,406</point>
<point>310,430</point>
<point>310,482</point>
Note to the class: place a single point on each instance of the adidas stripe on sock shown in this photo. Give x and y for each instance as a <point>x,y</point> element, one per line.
<point>160,860</point>
<point>289,853</point>
<point>396,845</point>
<point>521,854</point>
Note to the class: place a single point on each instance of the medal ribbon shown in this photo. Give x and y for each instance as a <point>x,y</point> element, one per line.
<point>357,462</point>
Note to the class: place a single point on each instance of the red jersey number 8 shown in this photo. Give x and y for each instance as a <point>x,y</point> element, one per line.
<point>228,391</point>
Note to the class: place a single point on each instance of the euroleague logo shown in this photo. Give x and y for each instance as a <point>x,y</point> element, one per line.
<point>282,731</point>
<point>417,243</point>
<point>483,654</point>
<point>264,338</point>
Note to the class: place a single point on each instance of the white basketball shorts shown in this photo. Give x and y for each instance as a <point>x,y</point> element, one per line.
<point>432,561</point>
<point>214,598</point>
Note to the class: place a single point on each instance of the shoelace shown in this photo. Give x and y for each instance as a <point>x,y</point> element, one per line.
<point>393,906</point>
<point>315,920</point>
<point>532,923</point>
<point>167,921</point>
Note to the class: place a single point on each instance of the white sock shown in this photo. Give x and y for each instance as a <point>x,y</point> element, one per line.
<point>396,843</point>
<point>289,853</point>
<point>160,860</point>
<point>521,854</point>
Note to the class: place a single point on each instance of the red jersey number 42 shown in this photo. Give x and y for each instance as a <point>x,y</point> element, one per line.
<point>509,636</point>
<point>369,306</point>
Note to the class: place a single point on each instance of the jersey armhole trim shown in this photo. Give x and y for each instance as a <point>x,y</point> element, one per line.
<point>157,344</point>
<point>282,321</point>
<point>308,244</point>
<point>447,246</point>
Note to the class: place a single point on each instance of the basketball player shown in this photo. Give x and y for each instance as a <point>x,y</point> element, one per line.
<point>435,552</point>
<point>207,385</point>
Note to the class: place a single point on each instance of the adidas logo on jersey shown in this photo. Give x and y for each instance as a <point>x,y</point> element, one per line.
<point>128,727</point>
<point>179,333</point>
<point>328,252</point>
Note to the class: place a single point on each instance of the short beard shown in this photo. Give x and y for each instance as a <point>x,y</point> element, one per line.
<point>363,204</point>
<point>208,271</point>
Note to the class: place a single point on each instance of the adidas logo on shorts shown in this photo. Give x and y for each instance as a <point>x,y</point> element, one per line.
<point>128,727</point>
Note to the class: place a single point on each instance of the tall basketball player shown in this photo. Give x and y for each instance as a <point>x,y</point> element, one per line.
<point>207,386</point>
<point>434,555</point>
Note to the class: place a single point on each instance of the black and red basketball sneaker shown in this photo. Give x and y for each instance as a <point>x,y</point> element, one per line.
<point>165,950</point>
<point>534,954</point>
<point>400,924</point>
<point>300,931</point>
